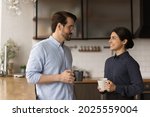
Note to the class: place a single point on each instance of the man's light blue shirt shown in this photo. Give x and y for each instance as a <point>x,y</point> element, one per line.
<point>50,57</point>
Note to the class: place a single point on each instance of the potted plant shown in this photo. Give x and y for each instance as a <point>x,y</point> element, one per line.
<point>23,69</point>
<point>12,51</point>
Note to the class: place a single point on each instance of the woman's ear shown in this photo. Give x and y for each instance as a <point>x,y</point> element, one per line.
<point>125,41</point>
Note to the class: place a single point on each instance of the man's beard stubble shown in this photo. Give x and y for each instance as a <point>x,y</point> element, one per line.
<point>67,36</point>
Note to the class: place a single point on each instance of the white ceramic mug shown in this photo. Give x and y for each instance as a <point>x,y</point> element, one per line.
<point>101,83</point>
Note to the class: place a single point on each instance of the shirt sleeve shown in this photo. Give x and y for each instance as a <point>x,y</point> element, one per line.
<point>35,64</point>
<point>136,85</point>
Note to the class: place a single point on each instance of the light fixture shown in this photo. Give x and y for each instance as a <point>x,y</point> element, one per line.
<point>14,5</point>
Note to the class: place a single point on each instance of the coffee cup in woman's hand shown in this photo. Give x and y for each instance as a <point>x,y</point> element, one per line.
<point>101,84</point>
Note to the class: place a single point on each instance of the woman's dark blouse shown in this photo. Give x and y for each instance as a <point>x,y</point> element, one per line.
<point>124,72</point>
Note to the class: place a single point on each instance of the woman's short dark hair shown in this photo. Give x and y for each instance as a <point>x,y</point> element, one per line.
<point>123,34</point>
<point>61,17</point>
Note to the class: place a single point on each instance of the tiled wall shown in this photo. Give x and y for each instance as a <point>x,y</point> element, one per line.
<point>141,52</point>
<point>93,62</point>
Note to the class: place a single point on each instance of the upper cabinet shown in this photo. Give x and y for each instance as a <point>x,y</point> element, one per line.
<point>143,30</point>
<point>96,18</point>
<point>104,15</point>
<point>46,8</point>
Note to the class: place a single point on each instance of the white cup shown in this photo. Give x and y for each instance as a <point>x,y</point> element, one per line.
<point>101,83</point>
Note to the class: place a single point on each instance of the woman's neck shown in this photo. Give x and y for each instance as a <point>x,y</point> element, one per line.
<point>118,52</point>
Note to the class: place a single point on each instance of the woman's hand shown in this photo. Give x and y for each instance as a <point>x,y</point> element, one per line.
<point>110,86</point>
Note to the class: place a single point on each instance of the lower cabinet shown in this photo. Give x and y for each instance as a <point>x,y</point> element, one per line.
<point>146,93</point>
<point>86,91</point>
<point>145,96</point>
<point>89,91</point>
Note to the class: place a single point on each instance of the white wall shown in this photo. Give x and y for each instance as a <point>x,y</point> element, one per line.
<point>141,52</point>
<point>94,61</point>
<point>0,20</point>
<point>21,30</point>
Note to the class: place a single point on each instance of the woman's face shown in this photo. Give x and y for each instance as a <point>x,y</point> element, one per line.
<point>115,43</point>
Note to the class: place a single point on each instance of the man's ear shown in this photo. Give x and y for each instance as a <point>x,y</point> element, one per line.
<point>59,25</point>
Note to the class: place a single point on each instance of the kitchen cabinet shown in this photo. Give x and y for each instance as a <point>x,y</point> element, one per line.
<point>143,30</point>
<point>87,90</point>
<point>103,15</point>
<point>46,8</point>
<point>96,18</point>
<point>146,94</point>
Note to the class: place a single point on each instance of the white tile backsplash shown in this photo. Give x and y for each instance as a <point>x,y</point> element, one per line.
<point>94,61</point>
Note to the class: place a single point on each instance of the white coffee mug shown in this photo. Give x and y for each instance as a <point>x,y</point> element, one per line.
<point>101,84</point>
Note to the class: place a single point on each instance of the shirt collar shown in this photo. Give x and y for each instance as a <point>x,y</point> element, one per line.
<point>121,55</point>
<point>56,42</point>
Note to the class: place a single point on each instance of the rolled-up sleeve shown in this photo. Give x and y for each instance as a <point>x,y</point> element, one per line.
<point>35,64</point>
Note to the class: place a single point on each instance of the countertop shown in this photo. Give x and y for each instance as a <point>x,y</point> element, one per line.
<point>16,89</point>
<point>93,80</point>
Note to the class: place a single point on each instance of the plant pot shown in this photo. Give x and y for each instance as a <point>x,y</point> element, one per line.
<point>10,69</point>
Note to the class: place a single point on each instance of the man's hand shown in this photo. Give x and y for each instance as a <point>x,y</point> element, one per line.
<point>67,76</point>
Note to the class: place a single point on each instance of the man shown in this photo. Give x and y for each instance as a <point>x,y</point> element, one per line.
<point>50,61</point>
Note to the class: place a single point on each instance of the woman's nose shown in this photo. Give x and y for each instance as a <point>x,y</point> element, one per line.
<point>109,40</point>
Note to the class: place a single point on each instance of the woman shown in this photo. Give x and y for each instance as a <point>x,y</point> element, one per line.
<point>123,72</point>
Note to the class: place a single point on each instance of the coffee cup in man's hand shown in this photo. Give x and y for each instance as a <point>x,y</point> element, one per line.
<point>78,75</point>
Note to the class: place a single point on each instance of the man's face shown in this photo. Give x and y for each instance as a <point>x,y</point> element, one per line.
<point>68,29</point>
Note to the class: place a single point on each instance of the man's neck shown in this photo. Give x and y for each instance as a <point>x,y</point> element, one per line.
<point>57,38</point>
